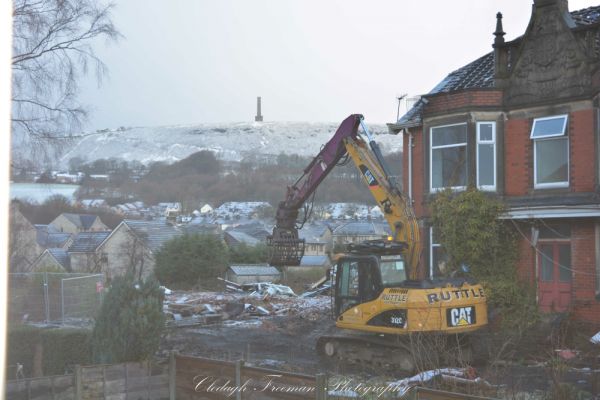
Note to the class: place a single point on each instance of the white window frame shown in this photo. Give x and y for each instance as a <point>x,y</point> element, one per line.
<point>492,142</point>
<point>564,127</point>
<point>554,136</point>
<point>431,148</point>
<point>431,246</point>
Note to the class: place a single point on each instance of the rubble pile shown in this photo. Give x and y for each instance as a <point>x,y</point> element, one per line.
<point>241,303</point>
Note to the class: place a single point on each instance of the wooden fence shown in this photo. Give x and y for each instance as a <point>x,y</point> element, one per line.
<point>127,381</point>
<point>203,378</point>
<point>187,378</point>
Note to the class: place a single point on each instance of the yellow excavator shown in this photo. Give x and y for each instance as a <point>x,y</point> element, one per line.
<point>376,286</point>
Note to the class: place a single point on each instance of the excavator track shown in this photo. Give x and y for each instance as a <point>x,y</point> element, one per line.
<point>405,354</point>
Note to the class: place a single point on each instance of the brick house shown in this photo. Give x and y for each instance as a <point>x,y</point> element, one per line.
<point>318,238</point>
<point>131,247</point>
<point>74,223</point>
<point>522,123</point>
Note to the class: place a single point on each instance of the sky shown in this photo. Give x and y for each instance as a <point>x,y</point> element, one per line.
<point>189,62</point>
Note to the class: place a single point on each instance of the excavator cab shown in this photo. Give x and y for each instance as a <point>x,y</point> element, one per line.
<point>362,275</point>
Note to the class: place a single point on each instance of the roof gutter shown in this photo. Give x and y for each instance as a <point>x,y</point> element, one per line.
<point>590,211</point>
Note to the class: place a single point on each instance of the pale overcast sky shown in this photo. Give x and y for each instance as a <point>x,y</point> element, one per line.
<point>186,62</point>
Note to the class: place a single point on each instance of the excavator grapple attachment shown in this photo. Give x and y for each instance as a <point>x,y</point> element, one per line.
<point>285,248</point>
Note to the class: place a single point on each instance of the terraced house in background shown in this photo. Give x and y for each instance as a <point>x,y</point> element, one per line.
<point>523,123</point>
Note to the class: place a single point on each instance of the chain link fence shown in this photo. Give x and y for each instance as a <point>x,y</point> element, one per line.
<point>62,298</point>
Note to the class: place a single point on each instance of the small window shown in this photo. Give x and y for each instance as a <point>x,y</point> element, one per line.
<point>550,152</point>
<point>448,156</point>
<point>549,127</point>
<point>486,155</point>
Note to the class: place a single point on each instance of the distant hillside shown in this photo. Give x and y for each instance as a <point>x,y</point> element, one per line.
<point>230,142</point>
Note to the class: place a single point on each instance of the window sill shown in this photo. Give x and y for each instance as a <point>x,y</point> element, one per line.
<point>543,186</point>
<point>454,189</point>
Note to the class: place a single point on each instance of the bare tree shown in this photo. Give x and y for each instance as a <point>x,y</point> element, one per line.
<point>52,49</point>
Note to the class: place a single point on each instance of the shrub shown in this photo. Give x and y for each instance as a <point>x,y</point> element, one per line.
<point>130,322</point>
<point>471,232</point>
<point>64,348</point>
<point>186,259</point>
<point>244,254</point>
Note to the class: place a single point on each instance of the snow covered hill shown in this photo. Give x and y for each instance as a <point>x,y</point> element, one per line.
<point>231,141</point>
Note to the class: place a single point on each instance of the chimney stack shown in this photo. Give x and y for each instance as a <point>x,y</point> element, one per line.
<point>258,117</point>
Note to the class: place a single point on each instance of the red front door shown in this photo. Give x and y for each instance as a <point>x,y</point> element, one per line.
<point>555,276</point>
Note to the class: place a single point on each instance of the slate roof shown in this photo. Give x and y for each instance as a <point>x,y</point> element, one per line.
<point>313,233</point>
<point>87,242</point>
<point>48,236</point>
<point>202,229</point>
<point>82,221</point>
<point>153,233</point>
<point>479,74</point>
<point>254,270</point>
<point>242,237</point>
<point>360,229</point>
<point>255,229</point>
<point>62,257</point>
<point>586,16</point>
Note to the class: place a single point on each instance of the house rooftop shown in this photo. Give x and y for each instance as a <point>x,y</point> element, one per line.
<point>82,221</point>
<point>479,74</point>
<point>254,270</point>
<point>87,242</point>
<point>243,237</point>
<point>48,236</point>
<point>153,233</point>
<point>62,257</point>
<point>361,228</point>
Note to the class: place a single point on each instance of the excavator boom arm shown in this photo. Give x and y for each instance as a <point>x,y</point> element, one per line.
<point>285,246</point>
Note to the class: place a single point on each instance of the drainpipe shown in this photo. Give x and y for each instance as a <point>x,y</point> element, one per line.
<point>410,150</point>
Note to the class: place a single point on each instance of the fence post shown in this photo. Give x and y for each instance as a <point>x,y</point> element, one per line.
<point>238,378</point>
<point>78,383</point>
<point>62,300</point>
<point>321,387</point>
<point>46,298</point>
<point>173,375</point>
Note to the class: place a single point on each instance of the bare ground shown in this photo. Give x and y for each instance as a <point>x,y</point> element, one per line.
<point>287,342</point>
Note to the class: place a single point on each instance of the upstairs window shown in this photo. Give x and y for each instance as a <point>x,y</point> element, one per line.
<point>448,157</point>
<point>550,151</point>
<point>486,155</point>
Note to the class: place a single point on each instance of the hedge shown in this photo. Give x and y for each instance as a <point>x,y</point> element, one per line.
<point>62,349</point>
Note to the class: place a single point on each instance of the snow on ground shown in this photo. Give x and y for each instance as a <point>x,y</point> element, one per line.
<point>231,142</point>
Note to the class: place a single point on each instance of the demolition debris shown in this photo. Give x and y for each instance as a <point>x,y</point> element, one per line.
<point>242,303</point>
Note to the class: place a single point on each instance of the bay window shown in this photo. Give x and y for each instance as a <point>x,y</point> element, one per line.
<point>486,155</point>
<point>448,157</point>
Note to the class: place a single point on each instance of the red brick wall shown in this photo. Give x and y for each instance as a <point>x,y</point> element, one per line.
<point>418,174</point>
<point>583,260</point>
<point>526,262</point>
<point>518,155</point>
<point>582,151</point>
<point>584,306</point>
<point>445,102</point>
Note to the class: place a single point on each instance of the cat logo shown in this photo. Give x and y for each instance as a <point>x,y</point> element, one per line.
<point>462,316</point>
<point>371,181</point>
